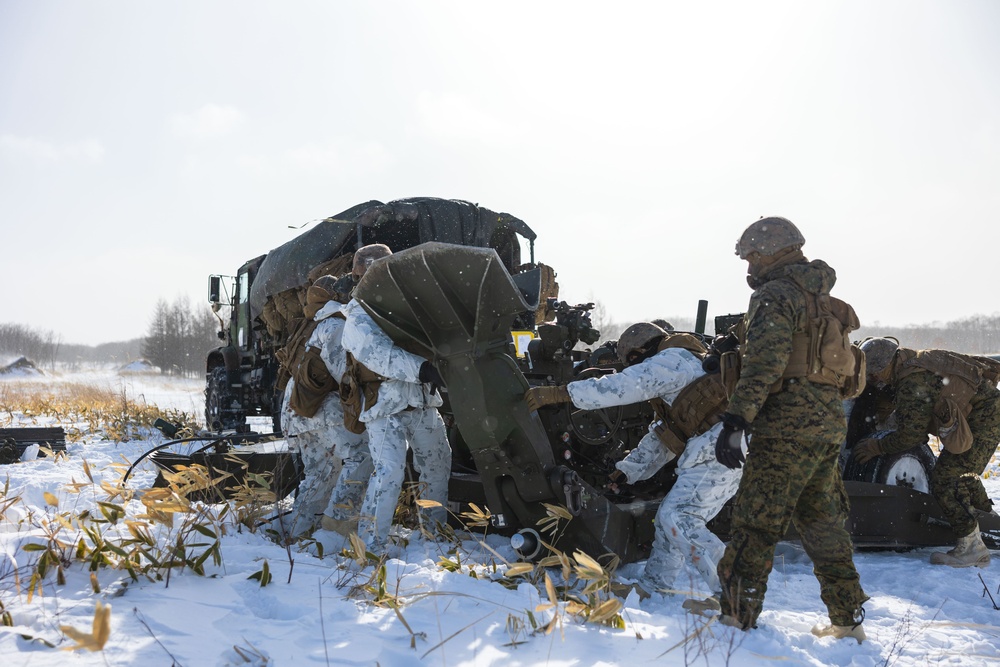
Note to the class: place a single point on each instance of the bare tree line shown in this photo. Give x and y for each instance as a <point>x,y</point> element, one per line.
<point>179,337</point>
<point>978,334</point>
<point>177,341</point>
<point>41,347</point>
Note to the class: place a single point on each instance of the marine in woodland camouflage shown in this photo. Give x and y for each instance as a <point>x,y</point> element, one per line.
<point>792,472</point>
<point>956,481</point>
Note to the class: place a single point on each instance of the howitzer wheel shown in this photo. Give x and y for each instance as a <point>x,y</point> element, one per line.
<point>594,427</point>
<point>910,468</point>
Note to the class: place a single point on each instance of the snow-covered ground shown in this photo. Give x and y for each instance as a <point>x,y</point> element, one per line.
<point>917,615</point>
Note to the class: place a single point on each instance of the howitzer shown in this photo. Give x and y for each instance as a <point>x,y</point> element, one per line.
<point>456,306</point>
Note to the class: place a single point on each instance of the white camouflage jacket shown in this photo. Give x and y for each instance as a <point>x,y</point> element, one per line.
<point>663,375</point>
<point>326,337</point>
<point>364,339</point>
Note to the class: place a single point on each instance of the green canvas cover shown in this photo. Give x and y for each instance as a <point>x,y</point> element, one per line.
<point>400,224</point>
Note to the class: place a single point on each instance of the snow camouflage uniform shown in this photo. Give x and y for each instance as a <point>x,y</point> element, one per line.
<point>956,481</point>
<point>703,484</point>
<point>332,457</point>
<point>404,416</point>
<point>792,472</point>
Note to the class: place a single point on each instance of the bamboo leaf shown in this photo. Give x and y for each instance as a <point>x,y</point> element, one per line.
<point>550,590</point>
<point>263,575</point>
<point>97,637</point>
<point>518,569</point>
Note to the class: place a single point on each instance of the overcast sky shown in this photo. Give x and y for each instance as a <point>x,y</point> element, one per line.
<point>146,145</point>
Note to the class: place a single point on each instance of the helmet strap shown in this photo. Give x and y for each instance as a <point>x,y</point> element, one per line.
<point>762,265</point>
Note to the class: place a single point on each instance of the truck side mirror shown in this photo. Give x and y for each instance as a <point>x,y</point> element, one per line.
<point>214,289</point>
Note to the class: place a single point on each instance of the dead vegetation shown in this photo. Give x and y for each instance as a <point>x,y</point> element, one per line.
<point>84,409</point>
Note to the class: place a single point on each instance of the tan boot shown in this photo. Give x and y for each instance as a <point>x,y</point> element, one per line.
<point>969,551</point>
<point>702,607</point>
<point>344,528</point>
<point>731,622</point>
<point>624,590</point>
<point>841,631</point>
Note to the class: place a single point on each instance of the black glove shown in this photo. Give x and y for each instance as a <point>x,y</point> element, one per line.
<point>428,374</point>
<point>729,446</point>
<point>614,479</point>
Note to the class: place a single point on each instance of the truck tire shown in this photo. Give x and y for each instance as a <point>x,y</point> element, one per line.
<point>217,397</point>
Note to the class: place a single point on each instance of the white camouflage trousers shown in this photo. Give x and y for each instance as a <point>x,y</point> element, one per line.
<point>321,466</point>
<point>348,492</point>
<point>423,430</point>
<point>703,486</point>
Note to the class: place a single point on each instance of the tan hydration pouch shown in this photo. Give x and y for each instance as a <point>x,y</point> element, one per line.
<point>953,429</point>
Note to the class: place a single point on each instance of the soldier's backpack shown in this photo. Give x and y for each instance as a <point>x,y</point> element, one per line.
<point>823,353</point>
<point>313,383</point>
<point>303,363</point>
<point>962,376</point>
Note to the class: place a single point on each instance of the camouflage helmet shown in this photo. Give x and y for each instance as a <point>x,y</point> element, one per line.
<point>326,283</point>
<point>767,236</point>
<point>878,353</point>
<point>637,338</point>
<point>365,255</point>
<point>337,288</point>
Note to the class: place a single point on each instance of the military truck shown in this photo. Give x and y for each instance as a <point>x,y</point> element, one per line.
<point>242,375</point>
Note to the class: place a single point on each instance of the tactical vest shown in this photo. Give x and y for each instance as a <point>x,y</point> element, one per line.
<point>822,354</point>
<point>303,364</point>
<point>358,392</point>
<point>291,353</point>
<point>962,375</point>
<point>698,405</point>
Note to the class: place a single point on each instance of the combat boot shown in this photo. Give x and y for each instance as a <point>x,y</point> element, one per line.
<point>624,590</point>
<point>969,551</point>
<point>841,631</point>
<point>344,528</point>
<point>731,622</point>
<point>702,607</point>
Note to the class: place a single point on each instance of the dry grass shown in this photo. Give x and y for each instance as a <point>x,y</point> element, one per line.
<point>84,409</point>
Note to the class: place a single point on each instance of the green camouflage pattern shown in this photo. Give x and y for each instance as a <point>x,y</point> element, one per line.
<point>956,480</point>
<point>777,310</point>
<point>798,482</point>
<point>792,473</point>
